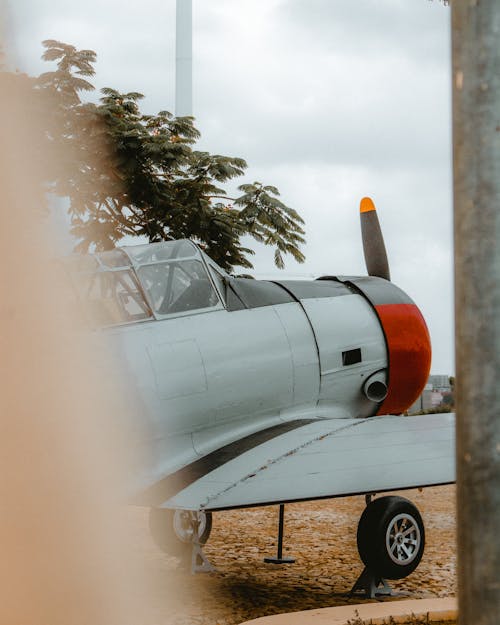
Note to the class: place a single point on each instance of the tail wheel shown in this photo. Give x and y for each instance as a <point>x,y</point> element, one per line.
<point>175,530</point>
<point>391,537</point>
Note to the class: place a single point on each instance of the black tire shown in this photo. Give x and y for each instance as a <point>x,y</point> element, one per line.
<point>391,537</point>
<point>162,525</point>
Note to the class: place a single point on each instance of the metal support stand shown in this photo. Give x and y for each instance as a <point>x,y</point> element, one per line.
<point>279,559</point>
<point>371,586</point>
<point>199,561</point>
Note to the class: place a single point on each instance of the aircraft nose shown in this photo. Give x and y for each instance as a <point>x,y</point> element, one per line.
<point>407,340</point>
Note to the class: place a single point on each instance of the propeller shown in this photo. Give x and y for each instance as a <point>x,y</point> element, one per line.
<point>373,241</point>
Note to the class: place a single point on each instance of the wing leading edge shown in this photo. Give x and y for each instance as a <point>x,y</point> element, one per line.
<point>330,458</point>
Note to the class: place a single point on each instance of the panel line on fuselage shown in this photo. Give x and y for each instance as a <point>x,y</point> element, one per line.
<point>301,304</point>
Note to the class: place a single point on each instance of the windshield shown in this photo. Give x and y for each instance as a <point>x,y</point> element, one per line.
<point>127,284</point>
<point>112,297</point>
<point>177,286</point>
<point>157,252</point>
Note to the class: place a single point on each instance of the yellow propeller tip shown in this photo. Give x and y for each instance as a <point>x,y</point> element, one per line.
<point>366,205</point>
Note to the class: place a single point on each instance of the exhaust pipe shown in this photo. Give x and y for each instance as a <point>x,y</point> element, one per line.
<point>375,387</point>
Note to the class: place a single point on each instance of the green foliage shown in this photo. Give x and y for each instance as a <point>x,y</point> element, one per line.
<point>128,173</point>
<point>441,409</point>
<point>448,400</point>
<point>71,64</point>
<point>410,620</point>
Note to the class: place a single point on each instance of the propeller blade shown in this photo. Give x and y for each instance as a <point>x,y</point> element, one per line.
<point>373,241</point>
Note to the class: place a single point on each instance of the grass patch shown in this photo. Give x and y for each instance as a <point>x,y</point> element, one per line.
<point>411,620</point>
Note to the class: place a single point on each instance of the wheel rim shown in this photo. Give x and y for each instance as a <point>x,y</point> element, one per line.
<point>185,523</point>
<point>403,539</point>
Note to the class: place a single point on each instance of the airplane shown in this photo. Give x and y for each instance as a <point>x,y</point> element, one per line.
<point>256,392</point>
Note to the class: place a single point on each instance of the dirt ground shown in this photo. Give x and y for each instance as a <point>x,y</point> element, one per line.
<point>321,536</point>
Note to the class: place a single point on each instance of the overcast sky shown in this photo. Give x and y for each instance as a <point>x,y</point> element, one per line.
<point>329,100</point>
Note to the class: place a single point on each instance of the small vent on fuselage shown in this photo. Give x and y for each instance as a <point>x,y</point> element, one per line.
<point>351,357</point>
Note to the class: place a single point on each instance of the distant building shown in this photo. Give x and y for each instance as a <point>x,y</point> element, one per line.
<point>436,398</point>
<point>424,402</point>
<point>437,387</point>
<point>440,383</point>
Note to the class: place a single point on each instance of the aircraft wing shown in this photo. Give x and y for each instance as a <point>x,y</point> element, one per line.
<point>324,458</point>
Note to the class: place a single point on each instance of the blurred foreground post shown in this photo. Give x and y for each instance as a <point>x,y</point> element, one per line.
<point>476,136</point>
<point>67,554</point>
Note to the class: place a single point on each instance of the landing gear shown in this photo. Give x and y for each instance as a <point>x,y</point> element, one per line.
<point>391,537</point>
<point>391,541</point>
<point>176,531</point>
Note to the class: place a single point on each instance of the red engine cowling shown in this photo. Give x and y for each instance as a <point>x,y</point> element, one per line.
<point>407,338</point>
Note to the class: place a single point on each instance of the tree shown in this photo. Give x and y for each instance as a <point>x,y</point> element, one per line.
<point>128,173</point>
<point>448,399</point>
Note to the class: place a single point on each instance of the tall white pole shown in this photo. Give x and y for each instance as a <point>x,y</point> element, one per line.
<point>8,50</point>
<point>184,58</point>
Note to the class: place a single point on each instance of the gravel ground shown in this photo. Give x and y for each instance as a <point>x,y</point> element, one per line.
<point>321,536</point>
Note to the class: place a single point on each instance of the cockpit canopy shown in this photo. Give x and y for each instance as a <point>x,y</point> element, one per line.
<point>137,283</point>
